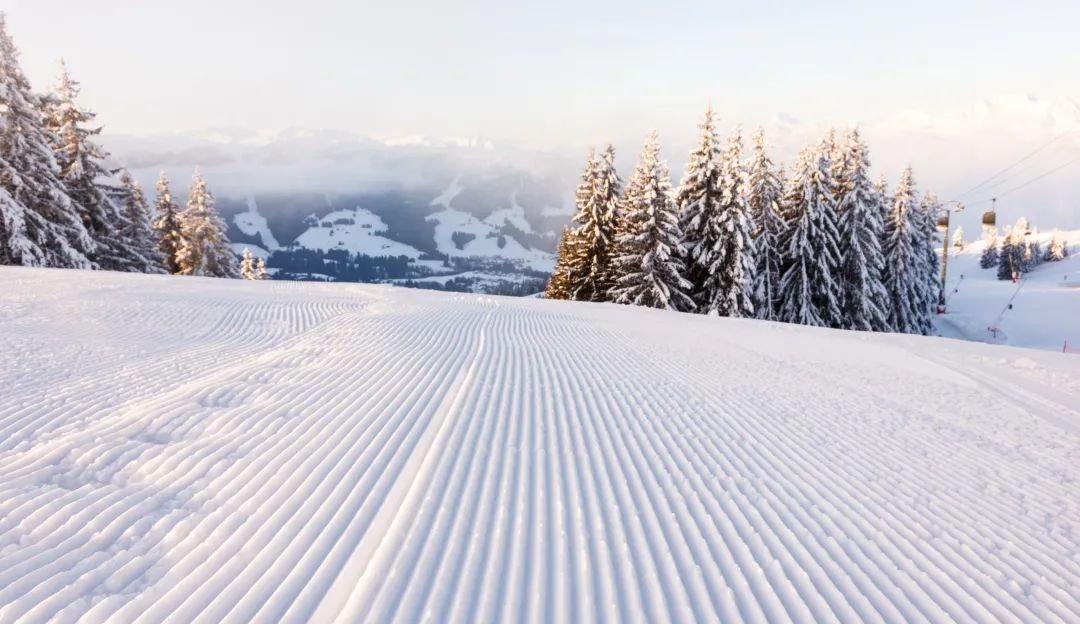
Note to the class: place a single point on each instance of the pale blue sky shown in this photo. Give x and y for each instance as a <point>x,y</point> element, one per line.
<point>552,72</point>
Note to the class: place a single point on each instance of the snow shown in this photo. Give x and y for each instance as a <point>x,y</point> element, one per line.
<point>256,251</point>
<point>252,223</point>
<point>452,190</point>
<point>485,241</point>
<point>1045,310</point>
<point>485,232</point>
<point>434,266</point>
<point>193,449</point>
<point>359,231</point>
<point>513,215</point>
<point>483,276</point>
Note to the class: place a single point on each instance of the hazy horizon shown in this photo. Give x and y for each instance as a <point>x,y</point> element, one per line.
<point>938,87</point>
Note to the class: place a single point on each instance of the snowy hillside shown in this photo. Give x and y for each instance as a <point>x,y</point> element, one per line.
<point>459,233</point>
<point>356,231</point>
<point>1045,312</point>
<point>190,449</point>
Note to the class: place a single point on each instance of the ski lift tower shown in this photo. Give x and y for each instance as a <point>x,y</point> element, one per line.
<point>944,211</point>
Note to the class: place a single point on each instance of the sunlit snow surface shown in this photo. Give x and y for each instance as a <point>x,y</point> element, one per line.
<point>1045,304</point>
<point>186,449</point>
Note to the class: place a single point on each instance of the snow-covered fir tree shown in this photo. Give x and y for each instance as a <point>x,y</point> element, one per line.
<point>1033,253</point>
<point>698,202</point>
<point>928,239</point>
<point>809,245</point>
<point>1011,256</point>
<point>650,265</point>
<point>885,200</point>
<point>958,238</point>
<point>572,264</point>
<point>717,231</point>
<point>247,265</point>
<point>764,196</point>
<point>82,170</point>
<point>1058,249</point>
<point>39,225</point>
<point>260,269</point>
<point>167,225</point>
<point>204,247</point>
<point>609,196</point>
<point>863,298</point>
<point>839,153</point>
<point>989,257</point>
<point>558,286</point>
<point>591,267</point>
<point>729,289</point>
<point>137,232</point>
<point>904,259</point>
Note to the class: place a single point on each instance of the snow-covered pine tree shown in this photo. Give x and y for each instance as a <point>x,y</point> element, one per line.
<point>1057,250</point>
<point>1035,251</point>
<point>1022,243</point>
<point>765,194</point>
<point>137,232</point>
<point>729,289</point>
<point>558,286</point>
<point>83,170</point>
<point>204,247</point>
<point>651,269</point>
<point>247,265</point>
<point>1011,256</point>
<point>958,238</point>
<point>885,200</point>
<point>838,159</point>
<point>575,264</point>
<point>904,259</point>
<point>809,244</point>
<point>39,225</point>
<point>989,257</point>
<point>863,298</point>
<point>698,201</point>
<point>260,269</point>
<point>929,240</point>
<point>602,241</point>
<point>592,270</point>
<point>167,225</point>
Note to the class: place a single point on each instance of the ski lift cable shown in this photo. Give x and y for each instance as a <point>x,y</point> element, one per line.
<point>955,289</point>
<point>1008,305</point>
<point>1025,184</point>
<point>1027,157</point>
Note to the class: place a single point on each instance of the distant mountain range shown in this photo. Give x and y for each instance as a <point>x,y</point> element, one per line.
<point>424,197</point>
<point>417,197</point>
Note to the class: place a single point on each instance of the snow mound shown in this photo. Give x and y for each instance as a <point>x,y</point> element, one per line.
<point>190,449</point>
<point>356,231</point>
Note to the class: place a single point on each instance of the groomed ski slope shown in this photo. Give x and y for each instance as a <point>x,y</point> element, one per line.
<point>184,449</point>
